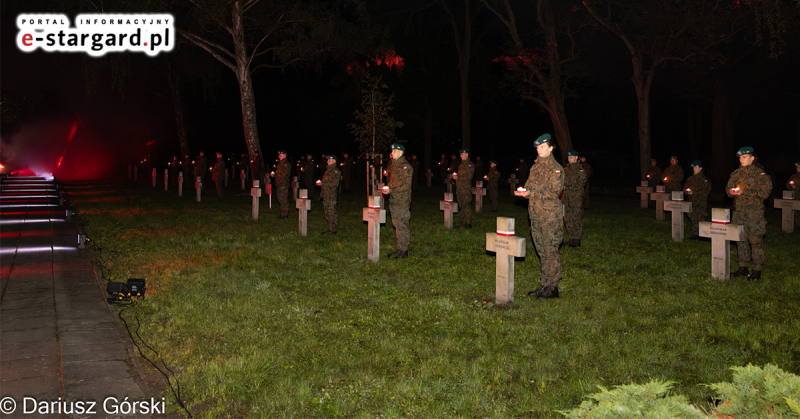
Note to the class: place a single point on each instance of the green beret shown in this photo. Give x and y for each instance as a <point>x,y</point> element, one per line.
<point>745,150</point>
<point>283,152</point>
<point>463,150</point>
<point>797,163</point>
<point>653,160</point>
<point>492,161</point>
<point>309,155</point>
<point>400,147</point>
<point>543,139</point>
<point>572,153</point>
<point>331,156</point>
<point>696,163</point>
<point>673,157</point>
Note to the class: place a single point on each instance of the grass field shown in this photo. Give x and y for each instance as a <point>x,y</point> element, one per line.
<point>260,322</point>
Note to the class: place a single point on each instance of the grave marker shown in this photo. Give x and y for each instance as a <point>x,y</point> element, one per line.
<point>660,195</point>
<point>255,192</point>
<point>506,246</point>
<point>513,182</point>
<point>374,215</point>
<point>644,191</point>
<point>166,179</point>
<point>180,183</point>
<point>788,206</point>
<point>449,207</point>
<point>678,207</point>
<point>304,205</point>
<point>721,232</point>
<point>479,191</point>
<point>198,187</point>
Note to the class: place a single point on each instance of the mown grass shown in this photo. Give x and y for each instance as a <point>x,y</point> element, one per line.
<point>261,322</point>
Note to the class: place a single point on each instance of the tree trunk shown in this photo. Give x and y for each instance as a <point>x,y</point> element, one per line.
<point>245,80</point>
<point>174,87</point>
<point>428,136</point>
<point>641,83</point>
<point>721,133</point>
<point>555,96</point>
<point>694,130</point>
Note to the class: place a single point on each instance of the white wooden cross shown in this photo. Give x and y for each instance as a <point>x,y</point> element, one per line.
<point>154,176</point>
<point>644,191</point>
<point>513,182</point>
<point>166,179</point>
<point>180,183</point>
<point>449,207</point>
<point>506,246</point>
<point>198,186</point>
<point>374,215</point>
<point>429,175</point>
<point>255,192</point>
<point>479,193</point>
<point>243,177</point>
<point>721,232</point>
<point>660,195</point>
<point>788,206</point>
<point>295,186</point>
<point>304,205</point>
<point>678,207</point>
<point>226,178</point>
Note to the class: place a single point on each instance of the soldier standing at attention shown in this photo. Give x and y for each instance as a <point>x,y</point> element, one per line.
<point>282,175</point>
<point>673,175</point>
<point>186,166</point>
<point>478,168</point>
<point>323,164</point>
<point>749,186</point>
<point>347,171</point>
<point>308,174</point>
<point>244,164</point>
<point>542,189</point>
<point>492,179</point>
<point>400,204</point>
<point>464,188</point>
<point>415,166</point>
<point>173,170</point>
<point>793,184</point>
<point>201,167</point>
<point>522,171</point>
<point>588,169</point>
<point>653,175</point>
<point>697,187</point>
<point>330,189</point>
<point>453,168</point>
<point>218,174</point>
<point>257,168</point>
<point>443,163</point>
<point>574,182</point>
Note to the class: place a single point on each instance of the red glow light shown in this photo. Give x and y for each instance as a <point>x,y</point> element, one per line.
<point>536,57</point>
<point>389,59</point>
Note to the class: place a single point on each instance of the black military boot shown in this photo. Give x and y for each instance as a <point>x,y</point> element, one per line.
<point>755,275</point>
<point>571,243</point>
<point>467,225</point>
<point>536,292</point>
<point>548,293</point>
<point>577,242</point>
<point>392,255</point>
<point>741,272</point>
<point>401,255</point>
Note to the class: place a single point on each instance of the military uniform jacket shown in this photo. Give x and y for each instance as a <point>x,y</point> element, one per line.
<point>522,170</point>
<point>347,166</point>
<point>219,171</point>
<point>796,186</point>
<point>453,166</point>
<point>653,174</point>
<point>443,163</point>
<point>283,173</point>
<point>700,186</point>
<point>256,170</point>
<point>493,177</point>
<point>415,165</point>
<point>479,170</point>
<point>465,172</point>
<point>201,167</point>
<point>330,182</point>
<point>308,170</point>
<point>587,168</point>
<point>400,182</point>
<point>756,186</point>
<point>545,182</point>
<point>674,176</point>
<point>574,181</point>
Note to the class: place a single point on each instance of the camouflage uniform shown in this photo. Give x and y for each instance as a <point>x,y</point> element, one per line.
<point>200,168</point>
<point>574,182</point>
<point>674,176</point>
<point>452,169</point>
<point>173,170</point>
<point>186,166</point>
<point>748,210</point>
<point>400,204</point>
<point>653,177</point>
<point>443,168</point>
<point>308,175</point>
<point>464,191</point>
<point>257,169</point>
<point>545,182</point>
<point>330,186</point>
<point>522,172</point>
<point>492,179</point>
<point>701,187</point>
<point>796,188</point>
<point>588,170</point>
<point>218,175</point>
<point>244,164</point>
<point>282,179</point>
<point>478,169</point>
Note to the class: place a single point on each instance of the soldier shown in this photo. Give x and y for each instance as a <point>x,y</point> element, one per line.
<point>330,189</point>
<point>186,166</point>
<point>415,166</point>
<point>347,171</point>
<point>308,174</point>
<point>653,175</point>
<point>218,174</point>
<point>544,184</point>
<point>673,175</point>
<point>453,167</point>
<point>588,170</point>
<point>257,167</point>
<point>443,164</point>
<point>478,168</point>
<point>466,170</point>
<point>323,164</point>
<point>283,174</point>
<point>793,184</point>
<point>749,186</point>
<point>492,179</point>
<point>201,167</point>
<point>244,164</point>
<point>697,187</point>
<point>522,171</point>
<point>574,182</point>
<point>173,170</point>
<point>400,204</point>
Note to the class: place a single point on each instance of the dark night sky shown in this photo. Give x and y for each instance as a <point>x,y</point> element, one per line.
<point>308,111</point>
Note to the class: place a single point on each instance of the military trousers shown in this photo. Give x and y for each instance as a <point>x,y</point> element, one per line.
<point>494,197</point>
<point>699,213</point>
<point>331,216</point>
<point>751,248</point>
<point>547,233</point>
<point>573,220</point>
<point>401,218</point>
<point>465,204</point>
<point>283,200</point>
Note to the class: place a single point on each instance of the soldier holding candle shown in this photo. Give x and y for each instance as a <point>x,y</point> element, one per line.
<point>697,187</point>
<point>673,175</point>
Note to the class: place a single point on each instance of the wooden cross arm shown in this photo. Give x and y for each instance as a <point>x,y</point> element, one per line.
<point>510,245</point>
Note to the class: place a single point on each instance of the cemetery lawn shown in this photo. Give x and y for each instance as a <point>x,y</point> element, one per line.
<point>257,321</point>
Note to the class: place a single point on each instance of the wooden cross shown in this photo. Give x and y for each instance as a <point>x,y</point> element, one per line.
<point>788,206</point>
<point>198,186</point>
<point>295,186</point>
<point>166,179</point>
<point>429,175</point>
<point>255,192</point>
<point>644,191</point>
<point>180,183</point>
<point>374,215</point>
<point>721,232</point>
<point>479,193</point>
<point>304,205</point>
<point>506,246</point>
<point>226,178</point>
<point>449,207</point>
<point>243,177</point>
<point>513,182</point>
<point>678,206</point>
<point>660,195</point>
<point>154,177</point>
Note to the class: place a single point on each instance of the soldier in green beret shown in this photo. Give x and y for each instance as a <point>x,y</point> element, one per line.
<point>574,182</point>
<point>544,185</point>
<point>186,167</point>
<point>493,178</point>
<point>653,175</point>
<point>218,174</point>
<point>793,184</point>
<point>201,167</point>
<point>329,194</point>
<point>466,170</point>
<point>173,170</point>
<point>400,204</point>
<point>283,174</point>
<point>697,187</point>
<point>673,175</point>
<point>749,186</point>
